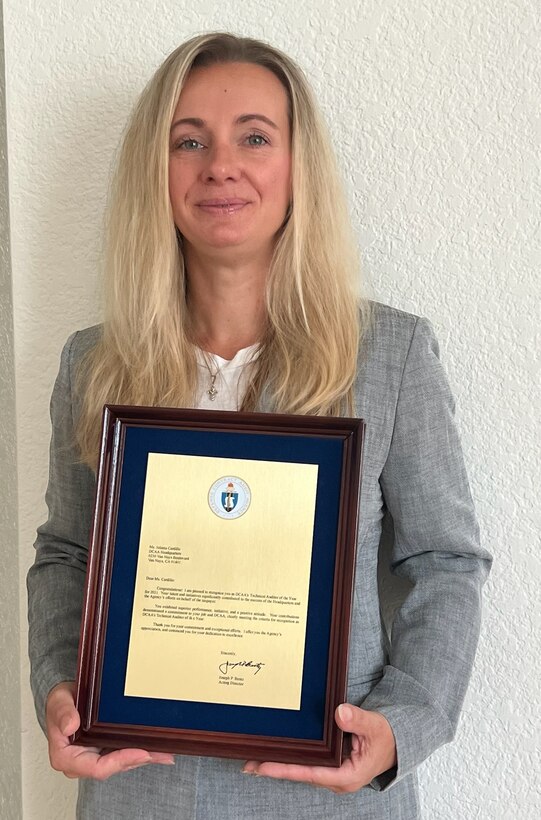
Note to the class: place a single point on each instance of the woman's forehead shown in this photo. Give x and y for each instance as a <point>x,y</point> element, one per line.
<point>233,86</point>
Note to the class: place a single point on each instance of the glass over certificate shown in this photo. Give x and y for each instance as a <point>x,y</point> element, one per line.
<point>219,584</point>
<point>221,591</point>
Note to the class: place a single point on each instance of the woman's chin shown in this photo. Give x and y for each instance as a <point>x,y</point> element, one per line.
<point>230,243</point>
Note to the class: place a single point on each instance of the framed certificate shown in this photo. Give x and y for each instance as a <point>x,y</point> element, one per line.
<point>219,585</point>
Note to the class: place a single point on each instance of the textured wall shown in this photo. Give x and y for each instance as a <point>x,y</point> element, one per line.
<point>434,110</point>
<point>10,718</point>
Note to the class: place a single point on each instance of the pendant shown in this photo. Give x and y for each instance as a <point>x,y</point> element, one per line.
<point>212,392</point>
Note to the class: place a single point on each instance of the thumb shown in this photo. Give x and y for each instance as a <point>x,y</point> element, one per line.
<point>69,720</point>
<point>62,713</point>
<point>353,719</point>
<point>372,736</point>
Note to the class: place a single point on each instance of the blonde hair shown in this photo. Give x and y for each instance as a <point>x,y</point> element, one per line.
<point>310,344</point>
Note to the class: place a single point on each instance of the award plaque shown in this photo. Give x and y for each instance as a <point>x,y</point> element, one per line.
<point>219,585</point>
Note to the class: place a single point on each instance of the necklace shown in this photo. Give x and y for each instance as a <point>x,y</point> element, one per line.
<point>208,360</point>
<point>212,392</point>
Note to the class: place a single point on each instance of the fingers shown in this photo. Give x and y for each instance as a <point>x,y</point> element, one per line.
<point>344,779</point>
<point>86,761</point>
<point>373,752</point>
<point>81,761</point>
<point>75,761</point>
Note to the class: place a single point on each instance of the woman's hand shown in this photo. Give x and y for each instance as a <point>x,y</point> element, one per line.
<point>63,720</point>
<point>373,752</point>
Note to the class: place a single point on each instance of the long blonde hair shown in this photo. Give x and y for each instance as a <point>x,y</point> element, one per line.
<point>310,345</point>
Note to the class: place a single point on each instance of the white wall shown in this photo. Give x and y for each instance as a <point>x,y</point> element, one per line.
<point>434,108</point>
<point>10,717</point>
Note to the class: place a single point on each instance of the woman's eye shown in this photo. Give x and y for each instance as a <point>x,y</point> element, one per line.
<point>257,140</point>
<point>189,145</point>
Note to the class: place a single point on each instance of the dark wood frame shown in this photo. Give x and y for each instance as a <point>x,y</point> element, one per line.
<point>334,747</point>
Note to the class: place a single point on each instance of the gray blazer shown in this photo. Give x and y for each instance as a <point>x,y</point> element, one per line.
<point>416,674</point>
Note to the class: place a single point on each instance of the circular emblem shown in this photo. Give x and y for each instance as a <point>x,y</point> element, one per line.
<point>229,497</point>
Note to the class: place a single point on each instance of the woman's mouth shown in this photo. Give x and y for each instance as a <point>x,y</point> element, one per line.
<point>222,206</point>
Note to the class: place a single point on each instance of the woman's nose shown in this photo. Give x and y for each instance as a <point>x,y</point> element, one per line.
<point>222,164</point>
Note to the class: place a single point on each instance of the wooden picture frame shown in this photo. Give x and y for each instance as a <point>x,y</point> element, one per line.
<point>112,719</point>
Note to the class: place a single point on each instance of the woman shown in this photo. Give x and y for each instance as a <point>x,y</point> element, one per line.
<point>231,285</point>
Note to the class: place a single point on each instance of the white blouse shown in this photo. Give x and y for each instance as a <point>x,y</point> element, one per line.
<point>231,378</point>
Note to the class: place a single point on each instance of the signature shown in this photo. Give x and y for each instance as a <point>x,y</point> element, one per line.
<point>227,666</point>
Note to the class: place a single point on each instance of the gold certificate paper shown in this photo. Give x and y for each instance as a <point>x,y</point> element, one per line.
<point>222,581</point>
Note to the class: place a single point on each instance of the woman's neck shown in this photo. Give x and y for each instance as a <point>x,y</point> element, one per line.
<point>227,305</point>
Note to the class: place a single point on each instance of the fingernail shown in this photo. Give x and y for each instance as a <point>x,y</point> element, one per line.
<point>344,712</point>
<point>157,757</point>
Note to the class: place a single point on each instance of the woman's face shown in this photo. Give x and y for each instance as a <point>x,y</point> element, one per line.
<point>230,160</point>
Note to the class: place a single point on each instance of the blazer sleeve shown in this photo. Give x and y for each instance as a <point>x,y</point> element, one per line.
<point>436,548</point>
<point>55,581</point>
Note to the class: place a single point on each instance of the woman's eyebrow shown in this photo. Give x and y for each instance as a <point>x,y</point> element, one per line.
<point>196,122</point>
<point>261,117</point>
